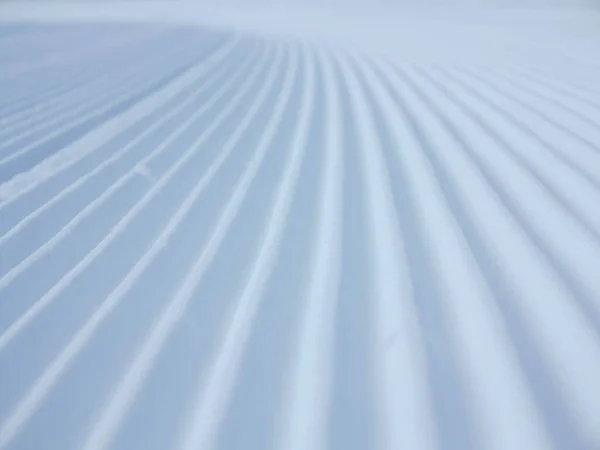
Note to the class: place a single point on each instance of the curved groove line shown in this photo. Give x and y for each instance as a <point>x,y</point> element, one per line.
<point>561,155</point>
<point>97,83</point>
<point>18,325</point>
<point>125,98</point>
<point>45,111</point>
<point>57,125</point>
<point>94,204</point>
<point>44,384</point>
<point>451,406</point>
<point>33,132</point>
<point>309,389</point>
<point>542,115</point>
<point>131,383</point>
<point>537,90</point>
<point>496,187</point>
<point>468,311</point>
<point>120,87</point>
<point>581,294</point>
<point>565,81</point>
<point>545,389</point>
<point>503,84</point>
<point>521,160</point>
<point>204,68</point>
<point>89,52</point>
<point>550,147</point>
<point>55,103</point>
<point>112,107</point>
<point>26,103</point>
<point>504,418</point>
<point>405,417</point>
<point>451,399</point>
<point>112,79</point>
<point>90,208</point>
<point>214,394</point>
<point>570,89</point>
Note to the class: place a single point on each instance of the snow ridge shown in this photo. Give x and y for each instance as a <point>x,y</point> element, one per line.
<point>174,232</point>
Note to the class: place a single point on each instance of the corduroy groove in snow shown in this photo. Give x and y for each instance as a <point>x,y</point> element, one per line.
<point>224,240</point>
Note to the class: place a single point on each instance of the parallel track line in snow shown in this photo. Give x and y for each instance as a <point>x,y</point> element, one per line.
<point>582,326</point>
<point>44,107</point>
<point>79,150</point>
<point>492,129</point>
<point>300,241</point>
<point>504,417</point>
<point>28,103</point>
<point>570,89</point>
<point>125,97</point>
<point>89,209</point>
<point>51,375</point>
<point>404,408</point>
<point>129,386</point>
<point>425,299</point>
<point>572,260</point>
<point>105,85</point>
<point>520,213</point>
<point>24,131</point>
<point>309,389</point>
<point>563,156</point>
<point>545,115</point>
<point>112,70</point>
<point>541,98</point>
<point>89,53</point>
<point>211,401</point>
<point>540,91</point>
<point>487,228</point>
<point>18,325</point>
<point>573,78</point>
<point>460,180</point>
<point>21,141</point>
<point>78,87</point>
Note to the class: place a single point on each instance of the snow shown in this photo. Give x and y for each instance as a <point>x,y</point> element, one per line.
<point>300,226</point>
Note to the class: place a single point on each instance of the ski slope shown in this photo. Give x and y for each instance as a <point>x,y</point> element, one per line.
<point>236,232</point>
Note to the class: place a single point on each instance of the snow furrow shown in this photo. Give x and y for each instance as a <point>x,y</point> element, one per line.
<point>22,127</point>
<point>71,154</point>
<point>121,226</point>
<point>201,427</point>
<point>368,231</point>
<point>135,170</point>
<point>26,408</point>
<point>573,262</point>
<point>567,298</point>
<point>580,131</point>
<point>78,88</point>
<point>505,418</point>
<point>27,155</point>
<point>403,401</point>
<point>583,111</point>
<point>133,380</point>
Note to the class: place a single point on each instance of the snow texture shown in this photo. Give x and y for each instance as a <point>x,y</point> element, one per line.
<point>299,227</point>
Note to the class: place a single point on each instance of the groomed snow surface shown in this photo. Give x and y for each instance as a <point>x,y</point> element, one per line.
<point>217,238</point>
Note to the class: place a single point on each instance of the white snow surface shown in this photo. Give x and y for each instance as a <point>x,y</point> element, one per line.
<point>300,226</point>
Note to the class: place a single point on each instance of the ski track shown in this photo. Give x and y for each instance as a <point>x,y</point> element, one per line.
<point>212,238</point>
